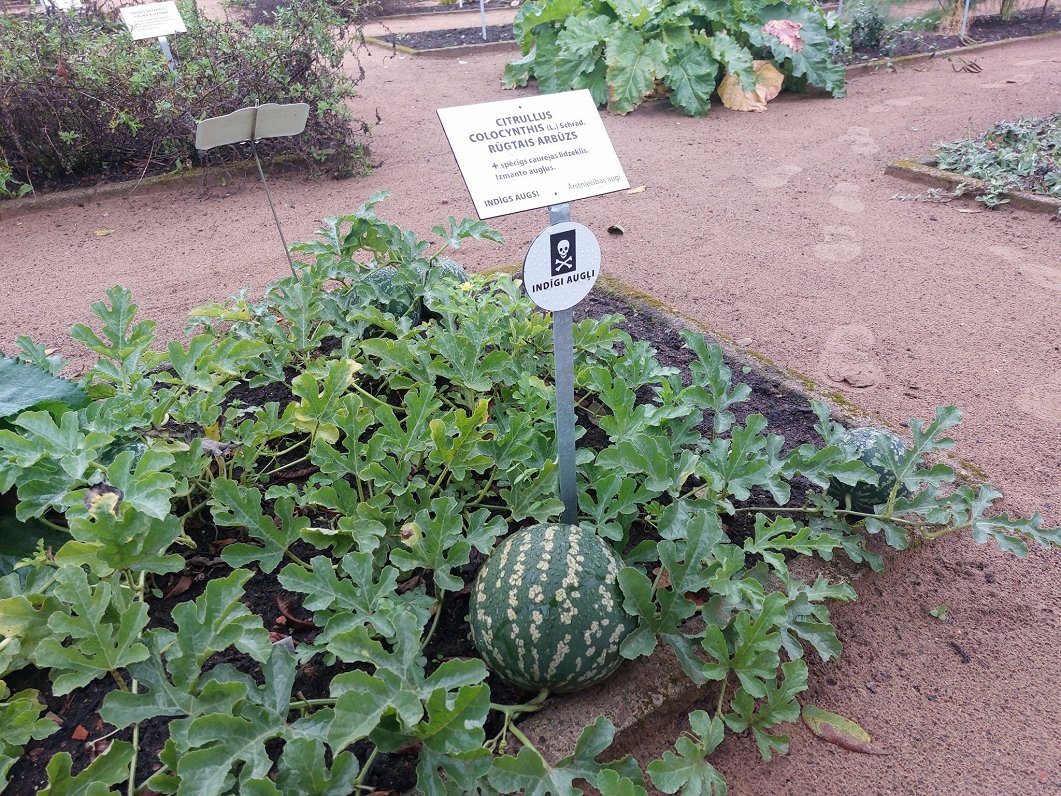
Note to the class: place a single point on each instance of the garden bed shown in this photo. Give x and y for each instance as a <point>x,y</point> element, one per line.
<point>789,414</point>
<point>983,29</point>
<point>1015,162</point>
<point>404,8</point>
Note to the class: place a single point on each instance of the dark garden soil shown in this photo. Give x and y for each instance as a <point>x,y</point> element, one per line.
<point>451,37</point>
<point>982,29</point>
<point>83,733</point>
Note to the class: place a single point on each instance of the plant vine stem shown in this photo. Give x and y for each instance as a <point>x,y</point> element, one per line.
<point>932,535</point>
<point>441,477</point>
<point>323,702</point>
<point>53,525</point>
<point>494,507</point>
<point>721,697</point>
<point>296,559</point>
<point>799,510</point>
<point>364,769</point>
<point>139,586</point>
<point>523,739</point>
<point>439,597</point>
<point>526,707</point>
<point>482,492</point>
<point>131,789</point>
<point>193,510</point>
<point>378,401</point>
<point>284,466</point>
<point>289,448</point>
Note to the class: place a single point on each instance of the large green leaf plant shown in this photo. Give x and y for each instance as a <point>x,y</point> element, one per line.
<point>625,50</point>
<point>362,443</point>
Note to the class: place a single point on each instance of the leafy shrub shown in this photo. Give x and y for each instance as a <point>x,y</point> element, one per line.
<point>81,99</point>
<point>421,438</point>
<point>622,51</point>
<point>1023,155</point>
<point>868,25</point>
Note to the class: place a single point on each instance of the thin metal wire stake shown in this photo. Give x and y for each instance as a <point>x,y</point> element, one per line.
<point>269,195</point>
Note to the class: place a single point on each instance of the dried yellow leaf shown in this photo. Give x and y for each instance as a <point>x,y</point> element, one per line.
<point>768,81</point>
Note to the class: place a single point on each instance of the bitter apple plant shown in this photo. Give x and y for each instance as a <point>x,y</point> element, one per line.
<point>417,414</point>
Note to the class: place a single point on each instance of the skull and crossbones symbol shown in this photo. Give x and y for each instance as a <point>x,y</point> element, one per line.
<point>565,260</point>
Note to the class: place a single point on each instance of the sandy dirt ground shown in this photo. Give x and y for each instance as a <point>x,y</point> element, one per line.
<point>779,229</point>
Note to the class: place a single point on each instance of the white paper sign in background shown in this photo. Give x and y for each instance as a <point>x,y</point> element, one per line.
<point>152,20</point>
<point>532,152</point>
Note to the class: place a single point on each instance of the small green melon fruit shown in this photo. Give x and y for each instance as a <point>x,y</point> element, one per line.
<point>546,609</point>
<point>867,445</point>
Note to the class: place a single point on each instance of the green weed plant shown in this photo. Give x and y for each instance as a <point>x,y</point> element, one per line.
<point>1022,155</point>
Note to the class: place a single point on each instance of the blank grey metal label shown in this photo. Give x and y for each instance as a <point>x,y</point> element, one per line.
<point>252,124</point>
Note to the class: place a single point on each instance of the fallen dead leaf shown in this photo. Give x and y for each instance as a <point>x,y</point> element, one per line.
<point>285,608</point>
<point>638,189</point>
<point>839,730</point>
<point>180,585</point>
<point>768,81</point>
<point>102,233</point>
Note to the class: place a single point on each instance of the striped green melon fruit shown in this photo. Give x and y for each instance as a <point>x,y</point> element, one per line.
<point>446,268</point>
<point>866,445</point>
<point>398,302</point>
<point>546,609</point>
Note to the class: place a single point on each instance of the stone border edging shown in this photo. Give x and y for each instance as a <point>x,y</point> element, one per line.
<point>926,173</point>
<point>446,52</point>
<point>14,208</point>
<point>871,67</point>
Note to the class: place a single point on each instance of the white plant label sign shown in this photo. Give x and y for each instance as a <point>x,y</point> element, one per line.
<point>532,152</point>
<point>561,266</point>
<point>152,20</point>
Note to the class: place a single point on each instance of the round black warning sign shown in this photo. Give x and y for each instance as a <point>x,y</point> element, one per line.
<point>561,266</point>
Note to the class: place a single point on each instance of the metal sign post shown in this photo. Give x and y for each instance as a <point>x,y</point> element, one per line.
<point>564,362</point>
<point>530,153</point>
<point>561,267</point>
<point>163,42</point>
<point>965,20</point>
<point>252,125</point>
